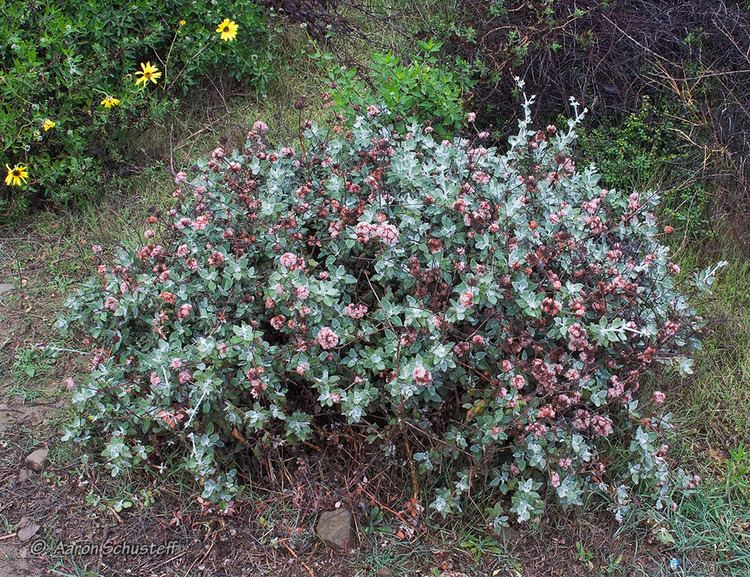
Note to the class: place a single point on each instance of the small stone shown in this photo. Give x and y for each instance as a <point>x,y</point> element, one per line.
<point>509,534</point>
<point>384,572</point>
<point>26,529</point>
<point>24,475</point>
<point>35,461</point>
<point>335,529</point>
<point>6,288</point>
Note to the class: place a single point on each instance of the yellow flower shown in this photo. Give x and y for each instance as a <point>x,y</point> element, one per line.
<point>110,101</point>
<point>147,72</point>
<point>47,124</point>
<point>17,175</point>
<point>182,23</point>
<point>228,29</point>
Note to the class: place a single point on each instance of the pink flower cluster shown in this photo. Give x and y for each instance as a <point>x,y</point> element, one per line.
<point>184,311</point>
<point>466,299</point>
<point>291,261</point>
<point>327,338</point>
<point>385,232</point>
<point>355,311</point>
<point>422,376</point>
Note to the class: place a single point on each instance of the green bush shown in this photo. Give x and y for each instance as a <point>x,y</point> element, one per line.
<point>643,151</point>
<point>60,59</point>
<point>421,91</point>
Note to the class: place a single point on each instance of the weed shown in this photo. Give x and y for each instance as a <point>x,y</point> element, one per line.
<point>31,363</point>
<point>584,556</point>
<point>69,119</point>
<point>419,91</point>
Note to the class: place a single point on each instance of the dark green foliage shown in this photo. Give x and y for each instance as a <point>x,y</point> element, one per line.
<point>644,151</point>
<point>60,58</point>
<point>687,55</point>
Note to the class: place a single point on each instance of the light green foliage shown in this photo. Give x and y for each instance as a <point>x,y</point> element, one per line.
<point>421,90</point>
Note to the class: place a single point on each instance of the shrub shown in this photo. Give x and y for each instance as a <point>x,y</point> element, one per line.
<point>421,91</point>
<point>499,310</point>
<point>60,60</point>
<point>641,150</point>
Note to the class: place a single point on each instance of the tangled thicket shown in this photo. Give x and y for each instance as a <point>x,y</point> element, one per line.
<point>606,54</point>
<point>693,54</point>
<point>343,20</point>
<point>499,311</point>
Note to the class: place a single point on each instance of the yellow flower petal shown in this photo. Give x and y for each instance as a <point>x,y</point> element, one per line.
<point>110,101</point>
<point>17,175</point>
<point>227,29</point>
<point>148,72</point>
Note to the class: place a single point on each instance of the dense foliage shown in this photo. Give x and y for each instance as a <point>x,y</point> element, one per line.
<point>421,90</point>
<point>640,151</point>
<point>69,96</point>
<point>499,310</point>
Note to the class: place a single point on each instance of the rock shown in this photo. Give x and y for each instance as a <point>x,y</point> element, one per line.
<point>35,461</point>
<point>509,535</point>
<point>335,529</point>
<point>24,475</point>
<point>384,572</point>
<point>6,288</point>
<point>26,529</point>
<point>15,568</point>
